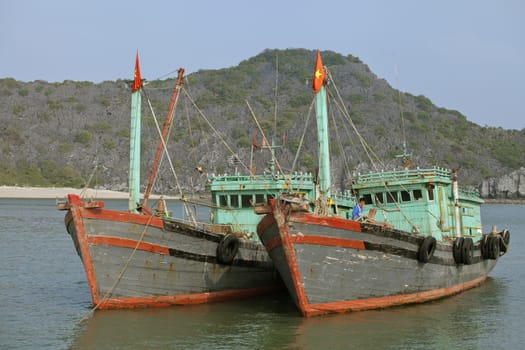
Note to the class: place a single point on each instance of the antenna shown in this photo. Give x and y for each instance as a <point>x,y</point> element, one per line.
<point>407,162</point>
<point>275,94</point>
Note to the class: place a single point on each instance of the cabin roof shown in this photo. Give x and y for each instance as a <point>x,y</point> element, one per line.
<point>263,182</point>
<point>402,177</point>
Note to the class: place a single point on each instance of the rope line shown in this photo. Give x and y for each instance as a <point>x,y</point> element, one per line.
<point>179,188</point>
<point>121,274</point>
<point>213,128</point>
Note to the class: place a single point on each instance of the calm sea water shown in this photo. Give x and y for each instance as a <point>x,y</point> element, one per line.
<point>44,297</point>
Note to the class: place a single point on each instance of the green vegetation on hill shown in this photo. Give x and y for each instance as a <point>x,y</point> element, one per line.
<point>61,134</point>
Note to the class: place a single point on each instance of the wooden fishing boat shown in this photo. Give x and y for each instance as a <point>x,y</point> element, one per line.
<point>418,236</point>
<point>142,256</point>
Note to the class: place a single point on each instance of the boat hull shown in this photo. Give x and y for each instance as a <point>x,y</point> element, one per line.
<point>330,264</point>
<point>135,260</point>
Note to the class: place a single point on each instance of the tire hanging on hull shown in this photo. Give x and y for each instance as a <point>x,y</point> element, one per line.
<point>505,240</point>
<point>227,249</point>
<point>457,250</point>
<point>467,251</point>
<point>491,245</point>
<point>426,249</point>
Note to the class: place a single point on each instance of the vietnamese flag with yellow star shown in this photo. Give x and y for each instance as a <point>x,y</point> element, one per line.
<point>319,74</point>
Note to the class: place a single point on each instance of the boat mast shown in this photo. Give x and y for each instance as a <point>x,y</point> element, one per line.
<point>134,140</point>
<point>165,129</point>
<point>318,85</point>
<point>455,196</point>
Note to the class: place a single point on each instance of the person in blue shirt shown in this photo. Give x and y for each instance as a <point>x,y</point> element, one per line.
<point>357,213</point>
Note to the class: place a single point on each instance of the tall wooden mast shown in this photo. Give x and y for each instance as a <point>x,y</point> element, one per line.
<point>164,133</point>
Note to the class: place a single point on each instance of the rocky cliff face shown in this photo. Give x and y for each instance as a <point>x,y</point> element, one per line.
<point>73,134</point>
<point>511,186</point>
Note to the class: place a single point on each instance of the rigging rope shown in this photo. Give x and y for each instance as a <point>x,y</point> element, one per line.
<point>367,148</point>
<point>340,144</point>
<point>168,134</point>
<point>122,271</point>
<point>287,179</point>
<point>86,186</point>
<point>179,188</point>
<point>303,135</point>
<point>275,103</point>
<point>213,128</point>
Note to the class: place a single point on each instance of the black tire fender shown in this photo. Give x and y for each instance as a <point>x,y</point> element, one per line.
<point>426,249</point>
<point>484,246</point>
<point>505,240</point>
<point>493,247</point>
<point>456,250</point>
<point>227,249</point>
<point>467,251</point>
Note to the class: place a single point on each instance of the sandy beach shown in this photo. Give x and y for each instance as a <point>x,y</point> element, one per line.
<point>59,192</point>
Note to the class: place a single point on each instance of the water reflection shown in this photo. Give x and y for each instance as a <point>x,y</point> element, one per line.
<point>464,321</point>
<point>246,324</point>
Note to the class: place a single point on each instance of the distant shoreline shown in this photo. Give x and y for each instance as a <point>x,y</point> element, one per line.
<point>503,201</point>
<point>58,192</point>
<point>19,192</point>
<point>62,192</point>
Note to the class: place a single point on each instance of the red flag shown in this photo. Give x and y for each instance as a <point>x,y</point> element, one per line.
<point>137,81</point>
<point>319,74</point>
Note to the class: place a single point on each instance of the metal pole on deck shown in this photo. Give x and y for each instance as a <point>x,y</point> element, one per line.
<point>455,195</point>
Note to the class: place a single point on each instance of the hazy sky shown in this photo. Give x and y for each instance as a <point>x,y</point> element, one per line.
<point>465,55</point>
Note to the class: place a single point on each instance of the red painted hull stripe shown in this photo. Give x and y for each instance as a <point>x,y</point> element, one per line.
<point>327,241</point>
<point>113,215</point>
<point>128,243</point>
<point>395,300</point>
<point>184,299</point>
<point>291,260</point>
<point>159,249</point>
<point>76,216</point>
<point>331,221</point>
<point>317,240</point>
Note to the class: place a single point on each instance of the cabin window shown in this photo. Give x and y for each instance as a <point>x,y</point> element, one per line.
<point>379,198</point>
<point>367,198</point>
<point>430,190</point>
<point>234,201</point>
<point>246,200</point>
<point>223,200</point>
<point>417,194</point>
<point>391,197</point>
<point>259,198</point>
<point>405,196</point>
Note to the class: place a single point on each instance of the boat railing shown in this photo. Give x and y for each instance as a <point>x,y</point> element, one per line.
<point>407,174</point>
<point>344,196</point>
<point>261,177</point>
